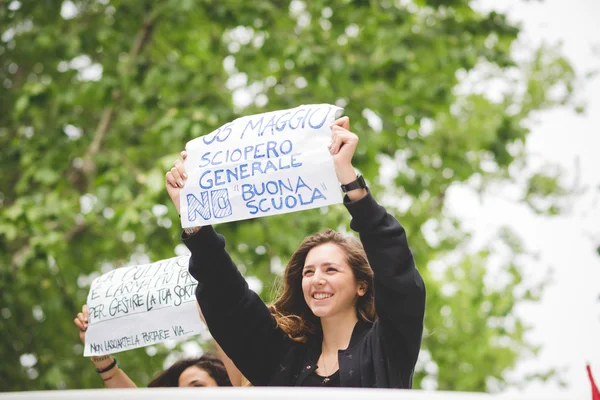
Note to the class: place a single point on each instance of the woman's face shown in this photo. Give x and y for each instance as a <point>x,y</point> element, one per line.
<point>328,283</point>
<point>196,377</point>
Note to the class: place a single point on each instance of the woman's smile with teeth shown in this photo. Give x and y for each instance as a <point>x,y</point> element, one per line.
<point>321,296</point>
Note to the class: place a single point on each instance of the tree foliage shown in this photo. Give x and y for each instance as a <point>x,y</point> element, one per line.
<point>98,98</point>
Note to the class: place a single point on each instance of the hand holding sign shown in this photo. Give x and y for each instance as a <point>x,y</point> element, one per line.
<point>81,321</point>
<point>342,148</point>
<point>175,180</point>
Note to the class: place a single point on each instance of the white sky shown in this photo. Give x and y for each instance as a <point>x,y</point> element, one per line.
<point>567,321</point>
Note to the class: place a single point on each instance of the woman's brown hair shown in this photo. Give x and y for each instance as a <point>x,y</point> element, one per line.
<point>291,311</point>
<point>208,362</point>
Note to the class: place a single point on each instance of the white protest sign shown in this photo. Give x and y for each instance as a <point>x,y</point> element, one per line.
<point>264,164</point>
<point>138,306</point>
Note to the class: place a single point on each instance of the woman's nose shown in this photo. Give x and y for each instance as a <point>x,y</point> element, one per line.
<point>318,279</point>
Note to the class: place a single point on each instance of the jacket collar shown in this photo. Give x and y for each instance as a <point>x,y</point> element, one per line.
<point>358,333</point>
<point>314,351</point>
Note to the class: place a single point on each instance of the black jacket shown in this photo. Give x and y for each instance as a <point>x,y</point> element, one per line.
<point>381,355</point>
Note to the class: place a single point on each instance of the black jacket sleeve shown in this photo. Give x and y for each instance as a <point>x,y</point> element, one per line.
<point>399,288</point>
<point>237,318</point>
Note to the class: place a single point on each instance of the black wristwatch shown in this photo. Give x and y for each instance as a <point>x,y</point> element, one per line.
<point>359,183</point>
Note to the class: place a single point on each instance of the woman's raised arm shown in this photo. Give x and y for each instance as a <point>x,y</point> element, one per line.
<point>237,318</point>
<point>106,366</point>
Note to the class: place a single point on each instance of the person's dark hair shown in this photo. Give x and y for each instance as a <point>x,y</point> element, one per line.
<point>208,362</point>
<point>291,311</point>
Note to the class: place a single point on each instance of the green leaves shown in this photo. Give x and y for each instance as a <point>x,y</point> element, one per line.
<point>96,107</point>
<point>478,299</point>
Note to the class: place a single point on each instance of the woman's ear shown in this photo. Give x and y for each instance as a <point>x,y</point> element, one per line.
<point>362,288</point>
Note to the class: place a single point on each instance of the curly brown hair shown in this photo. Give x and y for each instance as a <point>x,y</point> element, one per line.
<point>291,311</point>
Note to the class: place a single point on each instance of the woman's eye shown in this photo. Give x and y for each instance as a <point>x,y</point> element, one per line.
<point>331,269</point>
<point>307,273</point>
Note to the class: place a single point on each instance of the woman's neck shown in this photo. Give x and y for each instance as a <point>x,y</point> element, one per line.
<point>337,331</point>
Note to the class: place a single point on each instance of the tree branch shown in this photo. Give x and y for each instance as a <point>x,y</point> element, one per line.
<point>107,117</point>
<point>142,39</point>
<point>109,114</point>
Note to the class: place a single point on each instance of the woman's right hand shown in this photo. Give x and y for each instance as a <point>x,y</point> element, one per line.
<point>175,180</point>
<point>82,322</point>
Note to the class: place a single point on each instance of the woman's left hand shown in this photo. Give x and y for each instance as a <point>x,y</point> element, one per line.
<point>81,321</point>
<point>342,148</point>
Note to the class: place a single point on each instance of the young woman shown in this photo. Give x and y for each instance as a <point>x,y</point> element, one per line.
<point>349,314</point>
<point>204,371</point>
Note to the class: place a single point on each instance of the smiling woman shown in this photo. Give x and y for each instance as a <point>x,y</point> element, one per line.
<point>350,314</point>
<point>329,283</point>
<point>336,280</point>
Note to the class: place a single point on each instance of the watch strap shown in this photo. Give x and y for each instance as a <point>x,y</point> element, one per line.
<point>358,183</point>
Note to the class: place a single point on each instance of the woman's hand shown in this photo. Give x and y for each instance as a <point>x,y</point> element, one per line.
<point>342,148</point>
<point>111,379</point>
<point>175,180</point>
<point>82,322</point>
